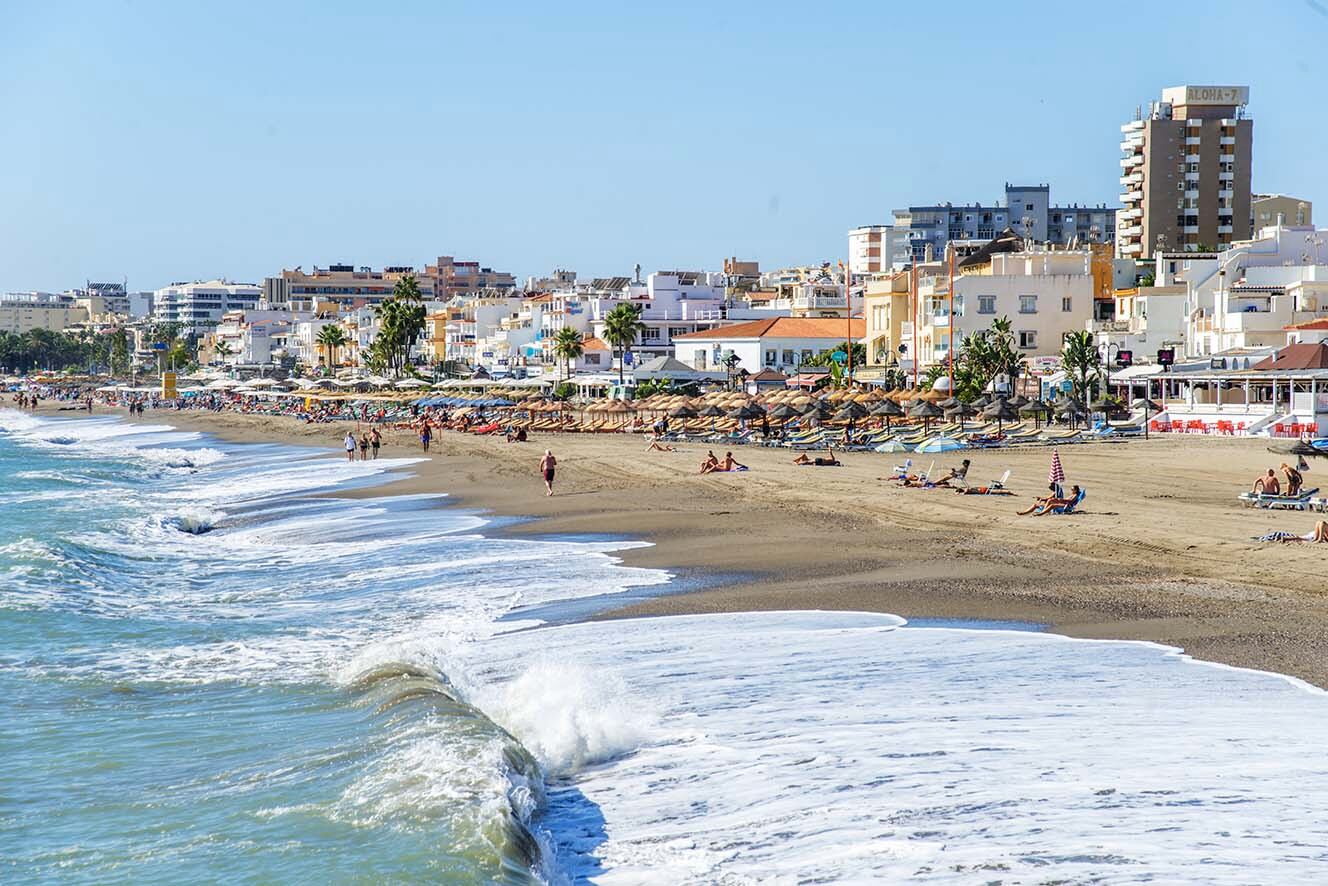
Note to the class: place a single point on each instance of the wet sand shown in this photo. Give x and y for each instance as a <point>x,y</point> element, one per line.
<point>1161,550</point>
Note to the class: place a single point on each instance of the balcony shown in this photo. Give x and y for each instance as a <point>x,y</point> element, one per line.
<point>1192,193</point>
<point>1131,248</point>
<point>1193,124</point>
<point>1225,194</point>
<point>1226,176</point>
<point>1132,213</point>
<point>1190,229</point>
<point>1132,231</point>
<point>1224,229</point>
<point>1191,158</point>
<point>1226,158</point>
<point>1133,126</point>
<point>1132,161</point>
<point>1192,140</point>
<point>1227,140</point>
<point>1133,178</point>
<point>1132,196</point>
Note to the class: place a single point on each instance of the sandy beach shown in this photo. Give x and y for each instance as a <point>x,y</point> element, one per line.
<point>1161,549</point>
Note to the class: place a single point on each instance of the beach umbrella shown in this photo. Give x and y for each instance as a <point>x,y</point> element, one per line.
<point>891,446</point>
<point>683,411</point>
<point>1147,406</point>
<point>1057,473</point>
<point>1001,411</point>
<point>1018,401</point>
<point>746,411</point>
<point>815,407</point>
<point>851,410</point>
<point>949,403</point>
<point>982,401</point>
<point>940,444</point>
<point>961,411</point>
<point>1035,408</point>
<point>925,411</point>
<point>887,409</point>
<point>712,411</point>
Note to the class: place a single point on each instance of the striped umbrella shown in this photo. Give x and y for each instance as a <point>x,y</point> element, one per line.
<point>1057,473</point>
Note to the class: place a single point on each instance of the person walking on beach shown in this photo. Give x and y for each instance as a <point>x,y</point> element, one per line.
<point>426,434</point>
<point>350,446</point>
<point>547,465</point>
<point>364,447</point>
<point>375,440</point>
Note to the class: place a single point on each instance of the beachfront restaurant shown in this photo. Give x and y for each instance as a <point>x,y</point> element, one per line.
<point>1283,395</point>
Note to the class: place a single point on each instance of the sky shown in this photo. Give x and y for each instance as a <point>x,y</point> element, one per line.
<point>178,141</point>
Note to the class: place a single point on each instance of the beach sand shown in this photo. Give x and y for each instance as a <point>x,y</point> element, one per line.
<point>1161,550</point>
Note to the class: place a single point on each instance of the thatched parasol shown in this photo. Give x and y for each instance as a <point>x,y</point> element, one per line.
<point>1000,410</point>
<point>925,411</point>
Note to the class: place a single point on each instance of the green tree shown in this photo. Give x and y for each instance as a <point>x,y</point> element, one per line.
<point>400,323</point>
<point>622,327</point>
<point>332,338</point>
<point>223,350</point>
<point>407,289</point>
<point>568,346</point>
<point>1082,363</point>
<point>119,352</point>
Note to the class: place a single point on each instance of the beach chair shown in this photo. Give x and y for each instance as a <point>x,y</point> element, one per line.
<point>1303,501</point>
<point>997,487</point>
<point>1069,508</point>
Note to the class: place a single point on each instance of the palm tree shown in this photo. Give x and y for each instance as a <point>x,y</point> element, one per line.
<point>332,337</point>
<point>568,346</point>
<point>407,289</point>
<point>1082,363</point>
<point>622,327</point>
<point>223,350</point>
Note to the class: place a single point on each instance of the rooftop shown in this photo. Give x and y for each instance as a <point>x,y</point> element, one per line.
<point>783,327</point>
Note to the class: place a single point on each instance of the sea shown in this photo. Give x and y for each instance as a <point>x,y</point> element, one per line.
<point>215,668</point>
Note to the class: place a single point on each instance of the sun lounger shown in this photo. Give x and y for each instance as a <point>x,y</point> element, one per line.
<point>1302,502</point>
<point>997,487</point>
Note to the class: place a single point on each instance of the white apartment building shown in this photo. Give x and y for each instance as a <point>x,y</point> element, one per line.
<point>672,303</point>
<point>878,249</point>
<point>782,343</point>
<point>476,319</point>
<point>1244,298</point>
<point>1147,319</point>
<point>252,337</point>
<point>1045,295</point>
<point>199,306</point>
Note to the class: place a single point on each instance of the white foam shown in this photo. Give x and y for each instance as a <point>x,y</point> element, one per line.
<point>812,746</point>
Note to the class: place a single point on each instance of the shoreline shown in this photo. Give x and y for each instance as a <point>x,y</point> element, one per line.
<point>1141,562</point>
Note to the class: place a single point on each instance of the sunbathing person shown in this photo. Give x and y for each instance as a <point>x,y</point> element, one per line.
<point>711,464</point>
<point>1060,505</point>
<point>729,464</point>
<point>1295,480</point>
<point>656,446</point>
<point>982,490</point>
<point>1268,484</point>
<point>1317,535</point>
<point>956,474</point>
<point>1042,505</point>
<point>829,461</point>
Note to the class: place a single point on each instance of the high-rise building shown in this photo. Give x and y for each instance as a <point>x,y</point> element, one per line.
<point>878,249</point>
<point>1186,172</point>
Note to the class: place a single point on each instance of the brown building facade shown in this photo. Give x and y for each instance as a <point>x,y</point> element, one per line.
<point>1185,173</point>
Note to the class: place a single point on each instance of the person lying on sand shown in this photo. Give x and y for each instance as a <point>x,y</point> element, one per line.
<point>711,464</point>
<point>983,490</point>
<point>1317,535</point>
<point>1268,484</point>
<point>656,446</point>
<point>1043,505</point>
<point>829,461</point>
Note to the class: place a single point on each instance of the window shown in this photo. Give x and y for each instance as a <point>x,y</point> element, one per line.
<point>770,357</point>
<point>806,356</point>
<point>986,304</point>
<point>1027,339</point>
<point>788,357</point>
<point>699,359</point>
<point>1028,207</point>
<point>1067,304</point>
<point>1028,304</point>
<point>1180,186</point>
<point>592,359</point>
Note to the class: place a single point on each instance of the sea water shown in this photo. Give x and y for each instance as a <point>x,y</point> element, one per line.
<point>216,669</point>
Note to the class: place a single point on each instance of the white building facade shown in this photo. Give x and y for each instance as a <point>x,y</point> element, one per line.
<point>198,307</point>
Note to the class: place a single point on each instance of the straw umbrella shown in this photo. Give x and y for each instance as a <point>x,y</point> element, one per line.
<point>888,409</point>
<point>926,411</point>
<point>960,411</point>
<point>1035,408</point>
<point>1001,411</point>
<point>1146,405</point>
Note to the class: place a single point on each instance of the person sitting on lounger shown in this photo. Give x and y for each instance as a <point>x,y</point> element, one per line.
<point>729,464</point>
<point>711,464</point>
<point>1295,480</point>
<point>1268,484</point>
<point>1043,505</point>
<point>955,476</point>
<point>829,461</point>
<point>1317,535</point>
<point>656,446</point>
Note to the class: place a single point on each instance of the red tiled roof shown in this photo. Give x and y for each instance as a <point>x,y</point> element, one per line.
<point>1298,356</point>
<point>1321,323</point>
<point>784,327</point>
<point>591,343</point>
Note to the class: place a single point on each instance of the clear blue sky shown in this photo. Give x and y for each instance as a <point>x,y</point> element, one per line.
<point>168,141</point>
